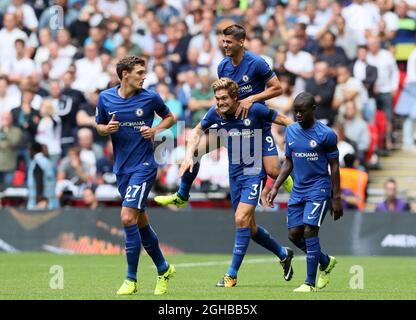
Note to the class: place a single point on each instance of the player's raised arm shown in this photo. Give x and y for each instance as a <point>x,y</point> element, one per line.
<point>285,171</point>
<point>336,210</point>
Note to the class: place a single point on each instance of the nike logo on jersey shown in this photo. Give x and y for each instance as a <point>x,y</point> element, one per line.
<point>290,143</point>
<point>130,200</point>
<point>222,123</point>
<point>111,113</point>
<point>270,149</point>
<point>252,198</point>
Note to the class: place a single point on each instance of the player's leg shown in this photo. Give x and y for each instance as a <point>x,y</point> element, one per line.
<point>242,237</point>
<point>141,183</point>
<point>313,216</point>
<point>129,217</point>
<point>250,195</point>
<point>151,245</point>
<point>207,144</point>
<point>243,216</point>
<point>297,237</point>
<point>133,244</point>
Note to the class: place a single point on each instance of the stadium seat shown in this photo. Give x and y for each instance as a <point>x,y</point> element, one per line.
<point>381,124</point>
<point>372,128</point>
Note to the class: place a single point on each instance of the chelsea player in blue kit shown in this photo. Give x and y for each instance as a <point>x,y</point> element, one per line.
<point>126,113</point>
<point>310,147</point>
<point>243,139</point>
<point>257,83</point>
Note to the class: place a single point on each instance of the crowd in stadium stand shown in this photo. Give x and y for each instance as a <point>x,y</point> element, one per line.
<point>357,57</point>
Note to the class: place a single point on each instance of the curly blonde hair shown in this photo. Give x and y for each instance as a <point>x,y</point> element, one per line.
<point>226,84</point>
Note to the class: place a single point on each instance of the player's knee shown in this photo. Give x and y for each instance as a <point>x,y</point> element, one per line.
<point>242,221</point>
<point>295,235</point>
<point>311,231</point>
<point>128,220</point>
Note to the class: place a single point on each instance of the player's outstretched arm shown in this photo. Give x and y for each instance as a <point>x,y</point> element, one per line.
<point>192,145</point>
<point>284,173</point>
<point>283,120</point>
<point>336,210</point>
<point>273,89</point>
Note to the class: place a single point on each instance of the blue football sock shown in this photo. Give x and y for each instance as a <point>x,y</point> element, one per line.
<point>151,245</point>
<point>133,244</point>
<point>242,240</point>
<point>312,259</point>
<point>323,258</point>
<point>263,238</point>
<point>186,182</point>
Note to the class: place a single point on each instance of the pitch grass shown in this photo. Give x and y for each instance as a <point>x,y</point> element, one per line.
<point>27,276</point>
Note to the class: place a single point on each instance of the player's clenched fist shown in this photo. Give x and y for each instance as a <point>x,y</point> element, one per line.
<point>113,125</point>
<point>270,197</point>
<point>147,132</point>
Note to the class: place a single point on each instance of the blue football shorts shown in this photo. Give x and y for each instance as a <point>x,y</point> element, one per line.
<point>307,211</point>
<point>246,189</point>
<point>134,188</point>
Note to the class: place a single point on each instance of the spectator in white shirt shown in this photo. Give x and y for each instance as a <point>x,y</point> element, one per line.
<point>298,62</point>
<point>59,65</point>
<point>348,88</point>
<point>20,66</point>
<point>90,75</point>
<point>42,51</point>
<point>66,49</point>
<point>8,35</point>
<point>49,131</point>
<point>30,20</point>
<point>387,82</point>
<point>362,18</point>
<point>256,45</point>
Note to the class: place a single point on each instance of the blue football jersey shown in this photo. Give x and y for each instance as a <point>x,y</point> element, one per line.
<point>310,150</point>
<point>131,151</point>
<point>251,74</point>
<point>243,138</point>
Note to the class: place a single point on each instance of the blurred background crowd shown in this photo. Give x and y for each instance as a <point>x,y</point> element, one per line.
<point>357,57</point>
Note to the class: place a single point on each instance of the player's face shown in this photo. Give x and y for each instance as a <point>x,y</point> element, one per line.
<point>232,46</point>
<point>225,103</point>
<point>303,114</point>
<point>136,77</point>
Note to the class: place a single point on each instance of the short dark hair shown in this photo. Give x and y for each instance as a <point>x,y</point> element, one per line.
<point>36,147</point>
<point>305,99</point>
<point>349,160</point>
<point>236,31</point>
<point>127,63</point>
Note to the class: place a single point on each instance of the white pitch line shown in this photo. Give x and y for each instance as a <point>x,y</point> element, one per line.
<point>226,262</point>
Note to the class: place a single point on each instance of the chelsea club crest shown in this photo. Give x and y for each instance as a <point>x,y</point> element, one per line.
<point>313,143</point>
<point>245,78</point>
<point>139,112</point>
<point>247,122</point>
